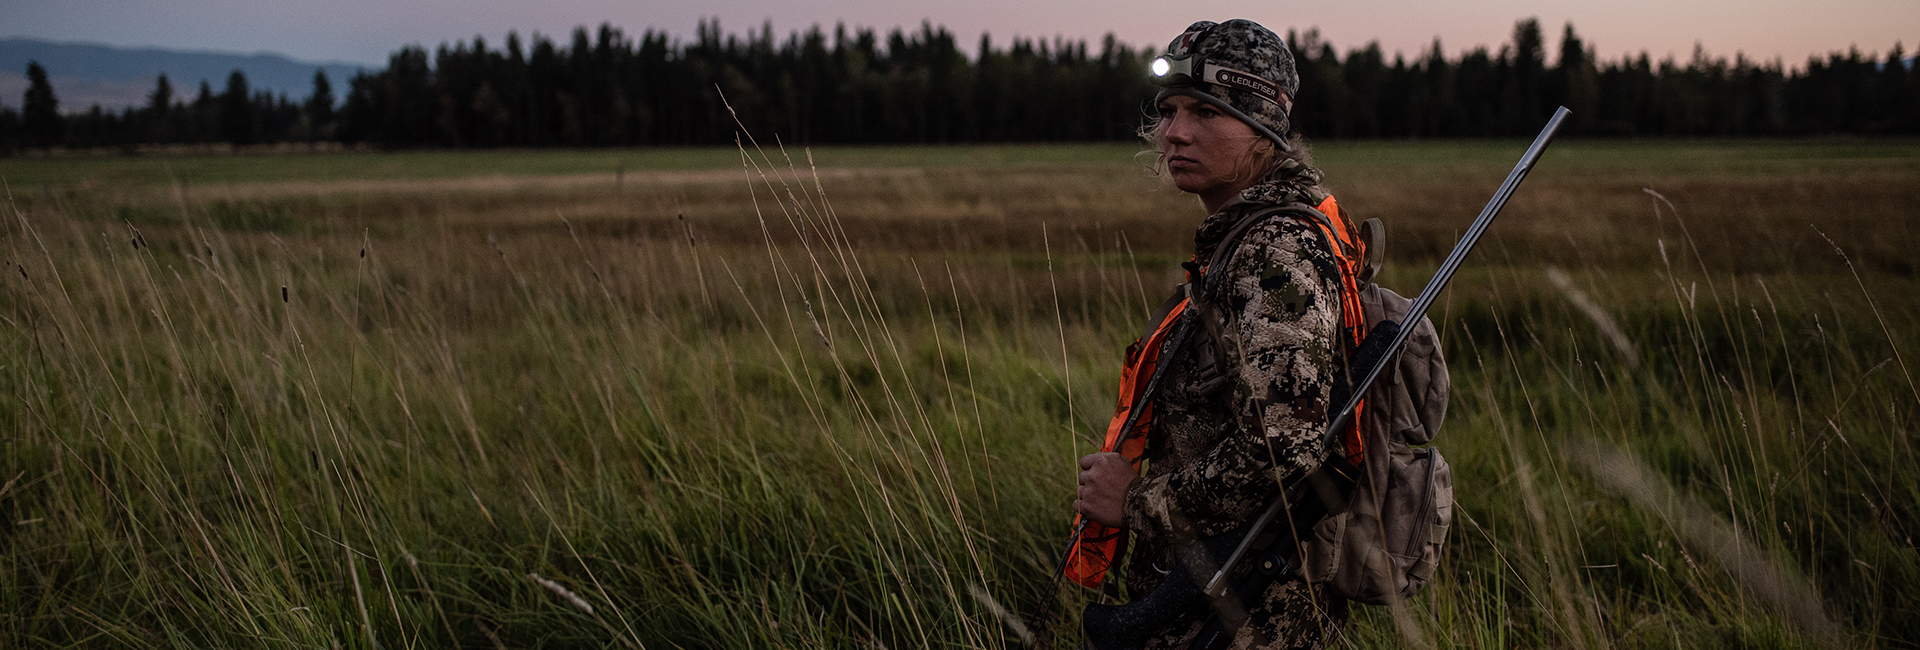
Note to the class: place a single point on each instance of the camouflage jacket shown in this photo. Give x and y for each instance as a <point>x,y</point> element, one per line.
<point>1225,438</point>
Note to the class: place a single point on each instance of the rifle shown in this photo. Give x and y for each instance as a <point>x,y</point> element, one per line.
<point>1182,593</point>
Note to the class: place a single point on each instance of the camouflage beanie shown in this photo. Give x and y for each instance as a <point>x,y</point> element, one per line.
<point>1256,81</point>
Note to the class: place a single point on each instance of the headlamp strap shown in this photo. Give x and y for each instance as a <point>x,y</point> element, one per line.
<point>1242,81</point>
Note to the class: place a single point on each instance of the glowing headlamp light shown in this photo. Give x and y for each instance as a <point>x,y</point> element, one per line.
<point>1175,70</point>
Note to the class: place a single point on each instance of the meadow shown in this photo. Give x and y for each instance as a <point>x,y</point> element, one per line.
<point>833,397</point>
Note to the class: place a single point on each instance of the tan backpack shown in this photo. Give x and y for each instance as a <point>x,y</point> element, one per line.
<point>1384,543</point>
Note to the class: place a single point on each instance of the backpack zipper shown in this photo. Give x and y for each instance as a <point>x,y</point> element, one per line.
<point>1426,503</point>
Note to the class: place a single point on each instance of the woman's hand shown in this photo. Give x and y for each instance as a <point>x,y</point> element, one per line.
<point>1103,487</point>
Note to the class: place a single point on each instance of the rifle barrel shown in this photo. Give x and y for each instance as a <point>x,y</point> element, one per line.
<point>1447,268</point>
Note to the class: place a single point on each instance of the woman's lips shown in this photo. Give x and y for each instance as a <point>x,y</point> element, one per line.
<point>1180,162</point>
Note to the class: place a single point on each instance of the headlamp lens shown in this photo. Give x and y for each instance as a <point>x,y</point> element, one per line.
<point>1174,70</point>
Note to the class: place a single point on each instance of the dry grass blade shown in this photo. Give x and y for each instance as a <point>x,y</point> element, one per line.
<point>1780,585</point>
<point>564,593</point>
<point>993,606</point>
<point>1601,320</point>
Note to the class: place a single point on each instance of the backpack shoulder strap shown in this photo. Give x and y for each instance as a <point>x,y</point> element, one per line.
<point>1223,252</point>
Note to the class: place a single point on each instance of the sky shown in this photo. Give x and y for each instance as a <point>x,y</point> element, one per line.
<point>365,31</point>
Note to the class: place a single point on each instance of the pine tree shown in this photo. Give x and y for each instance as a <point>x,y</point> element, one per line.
<point>1575,80</point>
<point>1526,84</point>
<point>1910,104</point>
<point>1892,90</point>
<point>236,111</point>
<point>159,110</point>
<point>203,116</point>
<point>319,107</point>
<point>40,111</point>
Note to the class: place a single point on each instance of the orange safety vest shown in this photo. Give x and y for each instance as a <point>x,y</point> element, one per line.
<point>1088,561</point>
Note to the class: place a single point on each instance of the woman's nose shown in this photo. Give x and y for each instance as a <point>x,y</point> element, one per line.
<point>1179,130</point>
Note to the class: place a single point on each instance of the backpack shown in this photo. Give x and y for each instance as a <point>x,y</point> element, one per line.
<point>1382,538</point>
<point>1384,543</point>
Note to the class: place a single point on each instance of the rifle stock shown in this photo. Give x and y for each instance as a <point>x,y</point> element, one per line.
<point>1179,596</point>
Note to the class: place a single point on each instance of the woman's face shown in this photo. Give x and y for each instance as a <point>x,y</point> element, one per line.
<point>1208,152</point>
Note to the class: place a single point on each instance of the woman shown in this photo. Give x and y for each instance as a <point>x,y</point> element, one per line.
<point>1226,435</point>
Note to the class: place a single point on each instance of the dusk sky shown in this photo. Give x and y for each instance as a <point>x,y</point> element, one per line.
<point>365,31</point>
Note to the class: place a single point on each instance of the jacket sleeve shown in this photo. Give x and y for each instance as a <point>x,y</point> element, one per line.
<point>1279,341</point>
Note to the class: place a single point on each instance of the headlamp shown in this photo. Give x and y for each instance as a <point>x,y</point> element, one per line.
<point>1191,69</point>
<point>1179,72</point>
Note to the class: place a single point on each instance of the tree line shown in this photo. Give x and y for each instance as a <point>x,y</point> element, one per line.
<point>605,88</point>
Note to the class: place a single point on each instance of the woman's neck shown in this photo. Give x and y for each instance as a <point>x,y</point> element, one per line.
<point>1215,200</point>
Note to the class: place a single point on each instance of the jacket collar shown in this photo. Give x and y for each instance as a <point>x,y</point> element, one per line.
<point>1293,181</point>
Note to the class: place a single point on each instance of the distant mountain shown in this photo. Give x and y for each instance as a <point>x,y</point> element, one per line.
<point>84,74</point>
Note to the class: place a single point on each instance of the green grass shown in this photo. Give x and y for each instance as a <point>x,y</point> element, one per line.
<point>302,415</point>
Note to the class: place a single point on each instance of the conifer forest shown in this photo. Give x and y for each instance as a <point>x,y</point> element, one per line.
<point>604,88</point>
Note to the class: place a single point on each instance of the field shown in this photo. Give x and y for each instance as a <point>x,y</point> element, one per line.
<point>834,398</point>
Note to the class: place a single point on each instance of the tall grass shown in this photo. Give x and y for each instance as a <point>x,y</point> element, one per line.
<point>778,406</point>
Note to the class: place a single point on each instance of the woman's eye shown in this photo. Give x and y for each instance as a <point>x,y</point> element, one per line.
<point>1166,112</point>
<point>1206,111</point>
